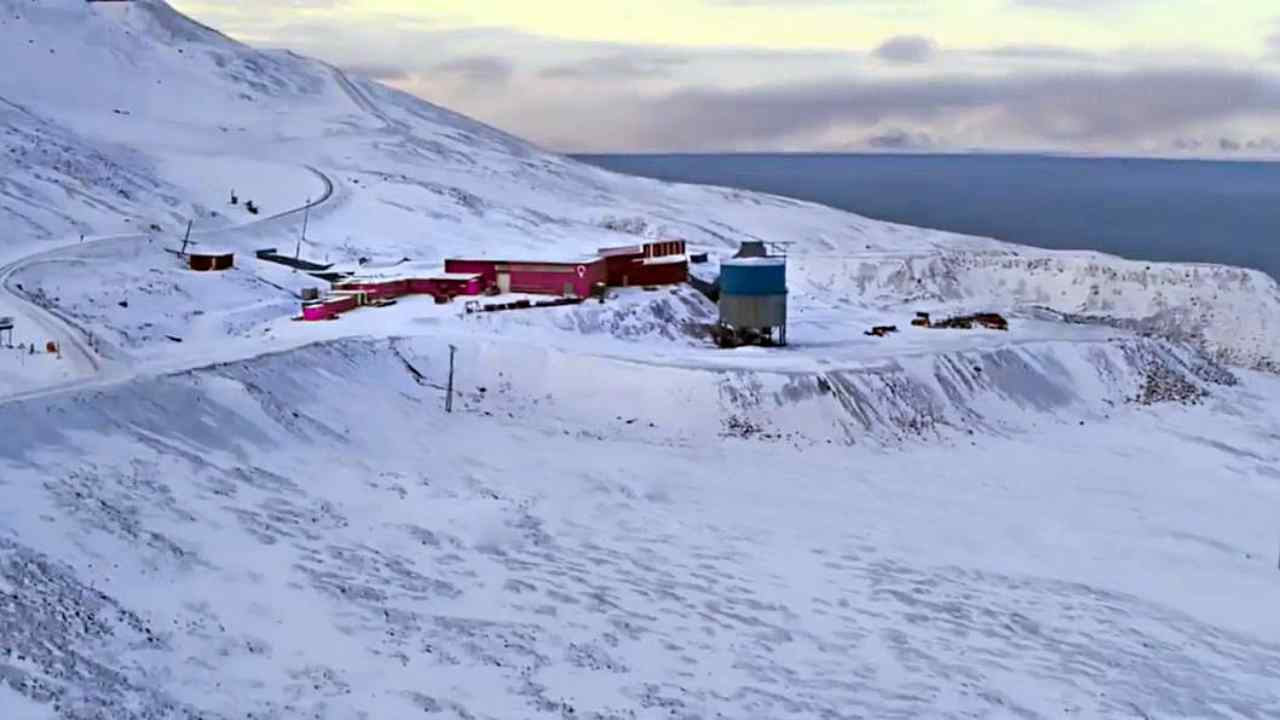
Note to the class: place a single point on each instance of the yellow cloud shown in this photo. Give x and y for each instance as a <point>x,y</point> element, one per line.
<point>1223,26</point>
<point>806,24</point>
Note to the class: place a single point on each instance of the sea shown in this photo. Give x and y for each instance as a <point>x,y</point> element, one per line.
<point>1148,209</point>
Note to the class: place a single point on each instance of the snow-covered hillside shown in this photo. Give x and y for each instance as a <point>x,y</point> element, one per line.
<point>209,510</point>
<point>231,542</point>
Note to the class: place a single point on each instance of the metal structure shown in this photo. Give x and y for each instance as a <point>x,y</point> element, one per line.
<point>753,300</point>
<point>763,248</point>
<point>6,329</point>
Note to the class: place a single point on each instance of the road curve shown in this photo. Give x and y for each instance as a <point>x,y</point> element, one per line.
<point>75,337</point>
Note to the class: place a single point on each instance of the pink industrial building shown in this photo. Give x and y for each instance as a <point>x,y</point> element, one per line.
<point>658,263</point>
<point>351,294</point>
<point>451,284</point>
<point>566,279</point>
<point>330,307</point>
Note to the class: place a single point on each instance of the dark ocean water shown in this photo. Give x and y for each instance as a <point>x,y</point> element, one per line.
<point>1183,210</point>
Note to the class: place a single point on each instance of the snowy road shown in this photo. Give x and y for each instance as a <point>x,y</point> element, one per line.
<point>363,102</point>
<point>86,365</point>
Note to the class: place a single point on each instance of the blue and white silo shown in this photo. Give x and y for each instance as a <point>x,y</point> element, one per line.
<point>753,296</point>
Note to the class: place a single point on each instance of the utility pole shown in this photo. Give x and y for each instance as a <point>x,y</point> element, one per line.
<point>448,400</point>
<point>187,238</point>
<point>306,215</point>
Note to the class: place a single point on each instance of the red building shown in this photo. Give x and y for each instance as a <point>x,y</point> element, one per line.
<point>660,263</point>
<point>329,308</point>
<point>375,288</point>
<point>566,279</point>
<point>440,283</point>
<point>451,284</point>
<point>211,261</point>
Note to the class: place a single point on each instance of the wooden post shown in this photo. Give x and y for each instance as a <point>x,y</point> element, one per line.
<point>448,400</point>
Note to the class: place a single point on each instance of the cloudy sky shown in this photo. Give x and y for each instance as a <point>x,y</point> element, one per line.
<point>1132,76</point>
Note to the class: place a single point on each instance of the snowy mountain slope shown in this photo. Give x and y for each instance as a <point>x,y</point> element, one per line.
<point>222,513</point>
<point>230,542</point>
<point>55,184</point>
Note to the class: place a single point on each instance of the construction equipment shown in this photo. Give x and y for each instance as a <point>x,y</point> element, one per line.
<point>990,321</point>
<point>727,336</point>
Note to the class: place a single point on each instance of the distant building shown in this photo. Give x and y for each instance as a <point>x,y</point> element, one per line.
<point>658,263</point>
<point>566,279</point>
<point>211,261</point>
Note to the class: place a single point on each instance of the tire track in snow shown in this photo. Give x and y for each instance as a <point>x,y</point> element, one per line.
<point>362,101</point>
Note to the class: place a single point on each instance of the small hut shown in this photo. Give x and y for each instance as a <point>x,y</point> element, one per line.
<point>210,261</point>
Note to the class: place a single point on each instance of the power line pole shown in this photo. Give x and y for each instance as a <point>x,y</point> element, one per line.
<point>306,215</point>
<point>187,238</point>
<point>448,400</point>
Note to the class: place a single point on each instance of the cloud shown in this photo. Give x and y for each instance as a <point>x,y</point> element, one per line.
<point>621,65</point>
<point>375,71</point>
<point>1034,52</point>
<point>1057,109</point>
<point>478,69</point>
<point>907,49</point>
<point>675,97</point>
<point>792,3</point>
<point>1078,5</point>
<point>899,139</point>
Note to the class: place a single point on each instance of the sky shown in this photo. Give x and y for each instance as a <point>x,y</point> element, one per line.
<point>1142,77</point>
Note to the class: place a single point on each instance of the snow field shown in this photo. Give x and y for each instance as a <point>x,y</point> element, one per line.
<point>357,549</point>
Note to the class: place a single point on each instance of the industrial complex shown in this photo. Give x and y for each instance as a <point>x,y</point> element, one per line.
<point>650,264</point>
<point>750,289</point>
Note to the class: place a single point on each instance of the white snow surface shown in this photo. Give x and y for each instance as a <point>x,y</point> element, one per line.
<point>209,510</point>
